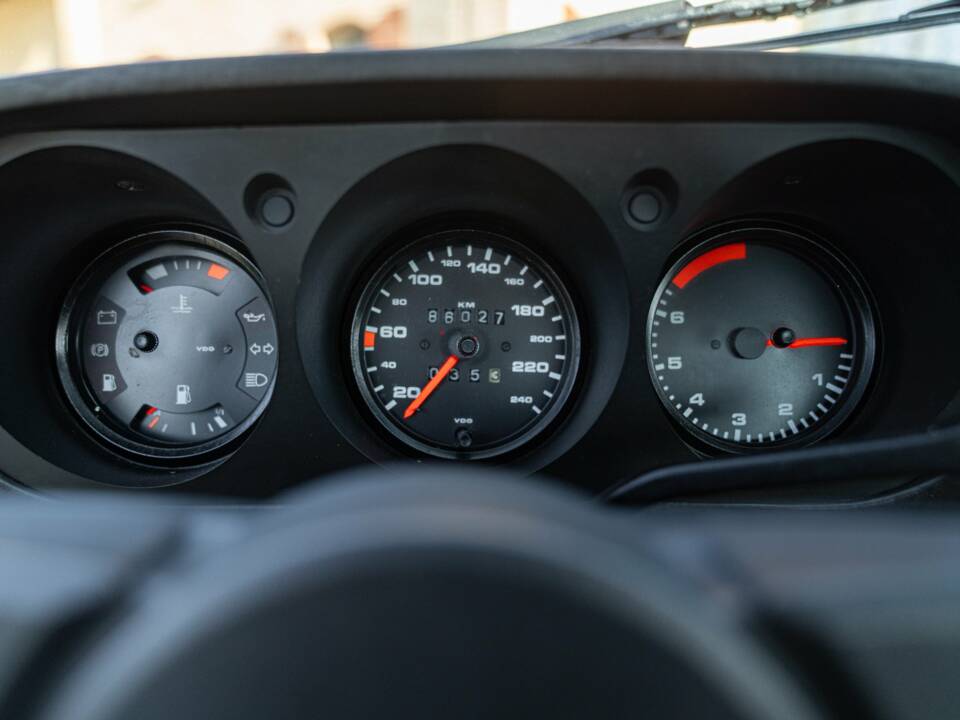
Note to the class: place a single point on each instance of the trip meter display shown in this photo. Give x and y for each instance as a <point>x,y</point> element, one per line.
<point>759,338</point>
<point>465,345</point>
<point>167,347</point>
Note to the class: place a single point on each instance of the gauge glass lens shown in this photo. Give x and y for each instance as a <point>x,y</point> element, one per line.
<point>465,345</point>
<point>169,349</point>
<point>759,338</point>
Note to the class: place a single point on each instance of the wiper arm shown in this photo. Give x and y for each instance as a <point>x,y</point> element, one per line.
<point>943,13</point>
<point>667,22</point>
<point>929,453</point>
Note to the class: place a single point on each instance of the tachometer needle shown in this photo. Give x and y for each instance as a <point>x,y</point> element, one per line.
<point>431,386</point>
<point>811,342</point>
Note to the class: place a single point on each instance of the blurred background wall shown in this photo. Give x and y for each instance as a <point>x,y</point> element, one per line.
<point>38,35</point>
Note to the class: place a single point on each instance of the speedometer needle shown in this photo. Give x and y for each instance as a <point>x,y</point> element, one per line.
<point>431,386</point>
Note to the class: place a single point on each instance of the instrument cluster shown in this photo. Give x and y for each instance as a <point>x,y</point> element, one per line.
<point>464,303</point>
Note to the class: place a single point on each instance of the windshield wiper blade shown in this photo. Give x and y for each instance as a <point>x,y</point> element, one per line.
<point>667,22</point>
<point>943,13</point>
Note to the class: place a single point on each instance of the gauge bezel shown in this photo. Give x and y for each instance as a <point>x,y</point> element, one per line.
<point>537,424</point>
<point>74,383</point>
<point>851,289</point>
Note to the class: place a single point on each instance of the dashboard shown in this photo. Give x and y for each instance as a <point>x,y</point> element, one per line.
<point>605,266</point>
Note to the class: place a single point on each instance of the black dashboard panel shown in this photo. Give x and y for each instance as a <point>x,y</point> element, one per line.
<point>372,152</point>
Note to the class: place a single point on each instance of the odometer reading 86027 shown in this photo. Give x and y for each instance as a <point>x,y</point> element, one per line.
<point>465,345</point>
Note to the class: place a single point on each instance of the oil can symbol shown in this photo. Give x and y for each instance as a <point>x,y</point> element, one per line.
<point>183,395</point>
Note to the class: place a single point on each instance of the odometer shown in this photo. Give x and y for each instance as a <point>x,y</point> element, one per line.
<point>759,337</point>
<point>465,344</point>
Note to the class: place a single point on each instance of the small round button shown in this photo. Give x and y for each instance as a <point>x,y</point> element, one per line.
<point>276,210</point>
<point>645,207</point>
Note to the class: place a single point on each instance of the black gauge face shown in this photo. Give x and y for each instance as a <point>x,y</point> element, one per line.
<point>465,345</point>
<point>168,347</point>
<point>759,338</point>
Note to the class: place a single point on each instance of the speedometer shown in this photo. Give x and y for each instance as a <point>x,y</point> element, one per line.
<point>465,345</point>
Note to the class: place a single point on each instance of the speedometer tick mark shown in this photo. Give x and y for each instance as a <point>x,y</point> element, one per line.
<point>488,254</point>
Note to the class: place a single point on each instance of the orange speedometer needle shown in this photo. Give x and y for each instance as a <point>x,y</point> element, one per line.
<point>431,386</point>
<point>812,342</point>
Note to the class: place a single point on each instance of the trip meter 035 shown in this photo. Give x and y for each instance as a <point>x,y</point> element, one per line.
<point>465,345</point>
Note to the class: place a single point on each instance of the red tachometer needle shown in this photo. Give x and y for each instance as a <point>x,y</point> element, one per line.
<point>431,386</point>
<point>812,342</point>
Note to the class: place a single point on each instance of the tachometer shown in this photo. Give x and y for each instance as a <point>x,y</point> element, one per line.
<point>465,345</point>
<point>759,337</point>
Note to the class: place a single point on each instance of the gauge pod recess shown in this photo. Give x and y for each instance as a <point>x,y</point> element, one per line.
<point>167,345</point>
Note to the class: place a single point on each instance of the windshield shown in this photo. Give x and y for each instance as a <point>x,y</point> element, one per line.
<point>38,35</point>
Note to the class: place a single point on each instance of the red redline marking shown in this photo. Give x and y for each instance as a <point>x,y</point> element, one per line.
<point>151,410</point>
<point>153,422</point>
<point>813,342</point>
<point>146,288</point>
<point>217,272</point>
<point>369,339</point>
<point>722,254</point>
